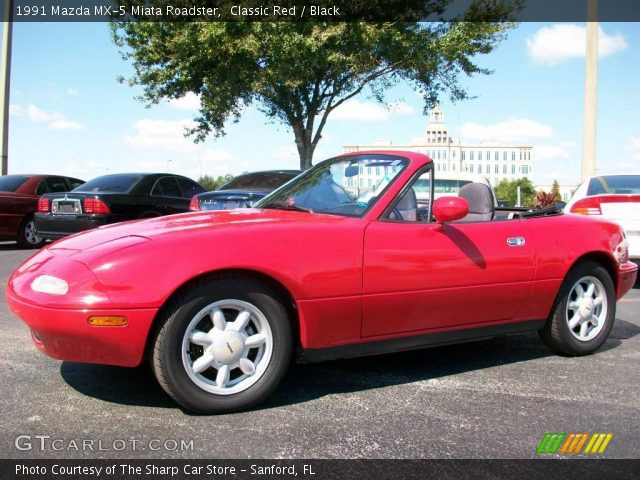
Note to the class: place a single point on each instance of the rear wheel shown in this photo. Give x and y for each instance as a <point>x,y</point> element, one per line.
<point>222,346</point>
<point>584,311</point>
<point>27,235</point>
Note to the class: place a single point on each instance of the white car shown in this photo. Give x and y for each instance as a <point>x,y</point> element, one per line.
<point>615,197</point>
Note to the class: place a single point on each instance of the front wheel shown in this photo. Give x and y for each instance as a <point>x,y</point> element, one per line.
<point>584,311</point>
<point>222,346</point>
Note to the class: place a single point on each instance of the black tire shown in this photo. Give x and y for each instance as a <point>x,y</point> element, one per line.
<point>167,360</point>
<point>27,238</point>
<point>557,334</point>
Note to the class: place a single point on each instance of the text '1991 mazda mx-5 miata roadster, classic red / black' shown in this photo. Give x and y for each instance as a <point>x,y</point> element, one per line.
<point>352,257</point>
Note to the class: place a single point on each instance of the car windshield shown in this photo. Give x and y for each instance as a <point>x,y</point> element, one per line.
<point>259,181</point>
<point>10,183</point>
<point>346,186</point>
<point>619,184</point>
<point>122,183</point>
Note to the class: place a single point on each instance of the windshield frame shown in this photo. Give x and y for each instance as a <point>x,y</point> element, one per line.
<point>326,164</point>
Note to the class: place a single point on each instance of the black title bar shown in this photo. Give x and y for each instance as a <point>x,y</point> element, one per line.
<point>319,10</point>
<point>116,469</point>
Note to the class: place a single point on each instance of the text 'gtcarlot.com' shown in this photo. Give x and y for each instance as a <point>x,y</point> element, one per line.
<point>46,442</point>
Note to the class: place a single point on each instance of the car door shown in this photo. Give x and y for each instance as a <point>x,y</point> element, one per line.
<point>420,276</point>
<point>14,204</point>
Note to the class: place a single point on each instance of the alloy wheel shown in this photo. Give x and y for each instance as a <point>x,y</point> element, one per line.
<point>227,347</point>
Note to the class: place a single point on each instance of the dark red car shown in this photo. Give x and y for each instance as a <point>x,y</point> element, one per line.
<point>19,201</point>
<point>352,257</point>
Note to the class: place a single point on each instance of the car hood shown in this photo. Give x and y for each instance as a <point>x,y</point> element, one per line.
<point>124,234</point>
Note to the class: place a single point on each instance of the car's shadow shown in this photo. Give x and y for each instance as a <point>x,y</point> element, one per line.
<point>6,246</point>
<point>137,386</point>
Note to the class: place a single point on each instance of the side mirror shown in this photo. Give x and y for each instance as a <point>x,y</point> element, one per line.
<point>450,209</point>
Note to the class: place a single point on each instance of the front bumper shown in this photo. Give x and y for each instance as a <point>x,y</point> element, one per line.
<point>65,334</point>
<point>627,273</point>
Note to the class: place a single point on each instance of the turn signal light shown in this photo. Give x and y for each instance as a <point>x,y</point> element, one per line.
<point>95,205</point>
<point>107,321</point>
<point>43,205</point>
<point>593,205</point>
<point>587,206</point>
<point>621,252</point>
<point>194,204</point>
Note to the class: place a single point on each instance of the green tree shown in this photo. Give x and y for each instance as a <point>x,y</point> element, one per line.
<point>508,189</point>
<point>555,191</point>
<point>210,183</point>
<point>297,73</point>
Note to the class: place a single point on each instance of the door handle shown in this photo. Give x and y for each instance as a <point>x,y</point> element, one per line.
<point>516,241</point>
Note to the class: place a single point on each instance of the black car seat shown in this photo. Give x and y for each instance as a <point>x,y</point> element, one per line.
<point>407,208</point>
<point>480,200</point>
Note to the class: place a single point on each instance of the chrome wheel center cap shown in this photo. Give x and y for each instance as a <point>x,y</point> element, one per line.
<point>586,307</point>
<point>228,347</point>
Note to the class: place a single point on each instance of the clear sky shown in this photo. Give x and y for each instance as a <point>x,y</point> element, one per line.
<point>69,114</point>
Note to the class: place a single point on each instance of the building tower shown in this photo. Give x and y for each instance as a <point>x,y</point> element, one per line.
<point>436,132</point>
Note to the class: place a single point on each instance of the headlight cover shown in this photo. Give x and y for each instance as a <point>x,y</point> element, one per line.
<point>50,285</point>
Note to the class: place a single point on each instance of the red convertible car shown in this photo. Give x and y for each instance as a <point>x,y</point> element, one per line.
<point>342,261</point>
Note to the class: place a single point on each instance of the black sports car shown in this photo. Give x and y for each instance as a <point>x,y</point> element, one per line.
<point>243,190</point>
<point>113,198</point>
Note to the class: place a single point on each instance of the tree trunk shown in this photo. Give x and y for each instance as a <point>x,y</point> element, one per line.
<point>305,146</point>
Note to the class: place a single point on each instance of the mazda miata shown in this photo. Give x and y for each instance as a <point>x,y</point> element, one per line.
<point>353,257</point>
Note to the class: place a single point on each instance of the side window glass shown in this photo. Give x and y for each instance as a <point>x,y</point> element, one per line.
<point>413,204</point>
<point>74,183</point>
<point>596,187</point>
<point>156,191</point>
<point>41,189</point>
<point>169,187</point>
<point>56,184</point>
<point>189,188</point>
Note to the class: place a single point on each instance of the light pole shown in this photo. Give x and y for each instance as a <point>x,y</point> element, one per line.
<point>590,92</point>
<point>5,78</point>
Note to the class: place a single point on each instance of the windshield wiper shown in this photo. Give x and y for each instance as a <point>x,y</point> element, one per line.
<point>286,206</point>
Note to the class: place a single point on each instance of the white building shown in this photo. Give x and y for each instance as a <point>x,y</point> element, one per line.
<point>492,160</point>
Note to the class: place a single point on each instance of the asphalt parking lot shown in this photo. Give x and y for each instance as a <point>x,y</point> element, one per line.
<point>490,399</point>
